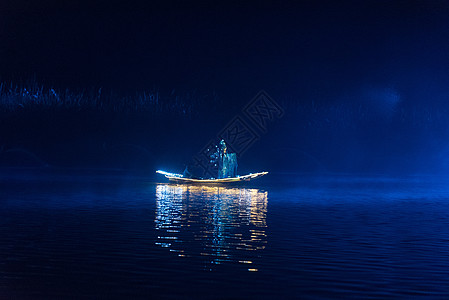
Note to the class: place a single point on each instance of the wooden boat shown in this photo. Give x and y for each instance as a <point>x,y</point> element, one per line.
<point>179,178</point>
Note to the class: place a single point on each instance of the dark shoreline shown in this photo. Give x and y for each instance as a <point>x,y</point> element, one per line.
<point>44,128</point>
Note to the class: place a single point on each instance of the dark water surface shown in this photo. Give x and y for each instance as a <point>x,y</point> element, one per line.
<point>77,236</point>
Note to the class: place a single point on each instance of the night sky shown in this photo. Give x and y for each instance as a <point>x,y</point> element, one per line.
<point>310,49</point>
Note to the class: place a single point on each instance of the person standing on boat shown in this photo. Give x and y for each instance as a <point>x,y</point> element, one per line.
<point>222,149</point>
<point>226,162</point>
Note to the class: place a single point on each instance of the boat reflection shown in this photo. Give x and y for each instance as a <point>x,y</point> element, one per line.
<point>216,223</point>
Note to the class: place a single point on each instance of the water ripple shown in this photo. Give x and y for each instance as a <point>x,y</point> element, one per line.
<point>217,223</point>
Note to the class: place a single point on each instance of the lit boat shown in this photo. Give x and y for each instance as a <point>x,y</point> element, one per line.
<point>179,178</point>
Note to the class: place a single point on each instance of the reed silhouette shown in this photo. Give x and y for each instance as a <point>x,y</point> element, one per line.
<point>153,129</point>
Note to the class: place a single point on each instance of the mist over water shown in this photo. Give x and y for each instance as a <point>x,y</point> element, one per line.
<point>117,236</point>
<point>370,130</point>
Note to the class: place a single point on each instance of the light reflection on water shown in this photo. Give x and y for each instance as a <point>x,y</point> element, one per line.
<point>217,223</point>
<point>331,237</point>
